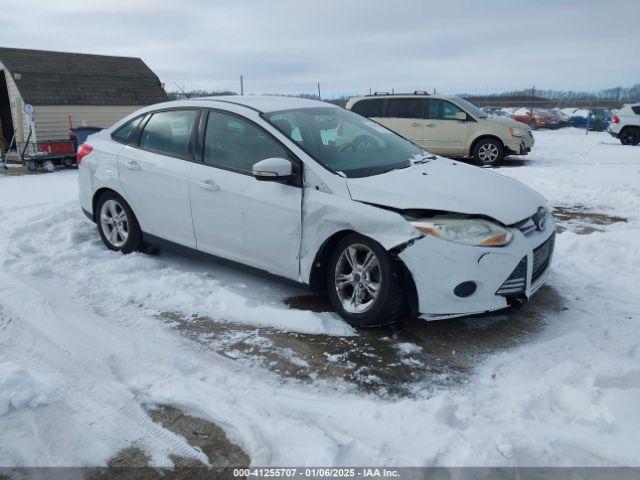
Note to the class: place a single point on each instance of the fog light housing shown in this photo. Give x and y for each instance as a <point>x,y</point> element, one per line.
<point>465,289</point>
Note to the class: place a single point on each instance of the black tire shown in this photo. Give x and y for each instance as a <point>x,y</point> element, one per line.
<point>391,301</point>
<point>68,162</point>
<point>630,136</point>
<point>488,151</point>
<point>31,165</point>
<point>133,242</point>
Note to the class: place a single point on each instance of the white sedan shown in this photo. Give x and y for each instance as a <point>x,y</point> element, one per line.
<point>320,195</point>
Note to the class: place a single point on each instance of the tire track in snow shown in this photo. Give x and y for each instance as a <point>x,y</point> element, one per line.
<point>87,393</point>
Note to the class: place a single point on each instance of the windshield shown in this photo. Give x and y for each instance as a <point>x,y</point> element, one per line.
<point>470,107</point>
<point>344,141</point>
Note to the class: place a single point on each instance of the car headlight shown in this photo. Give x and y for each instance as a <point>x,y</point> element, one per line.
<point>517,132</point>
<point>477,232</point>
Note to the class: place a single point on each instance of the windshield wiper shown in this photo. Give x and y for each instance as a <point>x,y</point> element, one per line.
<point>423,158</point>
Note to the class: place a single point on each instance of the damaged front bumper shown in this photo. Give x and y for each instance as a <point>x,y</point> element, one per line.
<point>454,280</point>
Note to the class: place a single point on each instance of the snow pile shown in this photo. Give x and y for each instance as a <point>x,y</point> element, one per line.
<point>18,389</point>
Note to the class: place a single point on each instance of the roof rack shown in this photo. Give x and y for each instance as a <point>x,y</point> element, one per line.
<point>415,92</point>
<point>420,92</point>
<point>381,93</point>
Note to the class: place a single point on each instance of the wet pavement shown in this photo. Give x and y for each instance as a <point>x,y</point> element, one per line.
<point>579,219</point>
<point>133,463</point>
<point>389,361</point>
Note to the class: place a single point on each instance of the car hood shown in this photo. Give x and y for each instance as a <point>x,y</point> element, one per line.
<point>506,122</point>
<point>449,186</point>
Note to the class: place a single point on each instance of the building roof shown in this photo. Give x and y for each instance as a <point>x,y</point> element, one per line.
<point>57,78</point>
<point>267,103</point>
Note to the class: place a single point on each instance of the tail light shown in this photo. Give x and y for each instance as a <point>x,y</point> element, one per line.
<point>83,151</point>
<point>615,119</point>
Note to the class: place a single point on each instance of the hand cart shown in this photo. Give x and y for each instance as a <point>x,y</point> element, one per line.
<point>45,154</point>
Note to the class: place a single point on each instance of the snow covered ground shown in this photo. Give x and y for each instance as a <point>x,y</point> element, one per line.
<point>90,340</point>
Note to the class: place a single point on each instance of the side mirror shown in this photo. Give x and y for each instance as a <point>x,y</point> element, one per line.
<point>460,116</point>
<point>272,170</point>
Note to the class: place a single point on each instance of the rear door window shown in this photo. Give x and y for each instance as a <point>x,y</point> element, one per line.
<point>404,108</point>
<point>169,133</point>
<point>636,109</point>
<point>372,107</point>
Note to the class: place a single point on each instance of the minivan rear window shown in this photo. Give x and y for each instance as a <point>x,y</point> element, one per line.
<point>373,107</point>
<point>636,109</point>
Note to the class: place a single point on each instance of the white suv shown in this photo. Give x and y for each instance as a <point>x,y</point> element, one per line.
<point>449,126</point>
<point>264,181</point>
<point>625,125</point>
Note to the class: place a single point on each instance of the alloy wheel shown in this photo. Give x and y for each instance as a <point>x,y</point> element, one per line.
<point>357,278</point>
<point>488,153</point>
<point>114,223</point>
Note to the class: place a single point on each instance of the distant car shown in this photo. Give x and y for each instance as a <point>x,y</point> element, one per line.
<point>564,119</point>
<point>625,124</point>
<point>385,230</point>
<point>537,119</point>
<point>495,112</point>
<point>446,125</point>
<point>596,119</point>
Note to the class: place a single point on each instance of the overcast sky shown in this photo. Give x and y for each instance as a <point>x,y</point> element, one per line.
<point>348,46</point>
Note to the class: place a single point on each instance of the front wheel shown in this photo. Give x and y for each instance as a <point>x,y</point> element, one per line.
<point>117,225</point>
<point>630,136</point>
<point>488,152</point>
<point>365,285</point>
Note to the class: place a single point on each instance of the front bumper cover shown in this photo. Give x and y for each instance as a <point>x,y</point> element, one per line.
<point>438,266</point>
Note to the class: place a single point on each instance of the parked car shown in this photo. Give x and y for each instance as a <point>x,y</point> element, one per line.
<point>563,118</point>
<point>495,112</point>
<point>449,126</point>
<point>596,119</point>
<point>625,124</point>
<point>385,230</point>
<point>538,118</point>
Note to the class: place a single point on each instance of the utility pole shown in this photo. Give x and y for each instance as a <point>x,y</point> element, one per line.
<point>319,96</point>
<point>241,85</point>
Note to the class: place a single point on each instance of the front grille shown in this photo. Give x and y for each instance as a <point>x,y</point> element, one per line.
<point>541,257</point>
<point>516,284</point>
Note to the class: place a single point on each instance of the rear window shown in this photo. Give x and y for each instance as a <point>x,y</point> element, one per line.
<point>636,109</point>
<point>369,108</point>
<point>125,133</point>
<point>405,108</point>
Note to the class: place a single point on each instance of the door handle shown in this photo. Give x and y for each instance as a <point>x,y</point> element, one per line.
<point>209,185</point>
<point>429,124</point>
<point>416,124</point>
<point>133,165</point>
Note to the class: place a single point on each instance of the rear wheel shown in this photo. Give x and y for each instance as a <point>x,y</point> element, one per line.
<point>365,285</point>
<point>32,165</point>
<point>630,136</point>
<point>488,151</point>
<point>68,162</point>
<point>117,225</point>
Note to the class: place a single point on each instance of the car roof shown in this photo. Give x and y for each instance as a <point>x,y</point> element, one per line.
<point>264,103</point>
<point>402,95</point>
